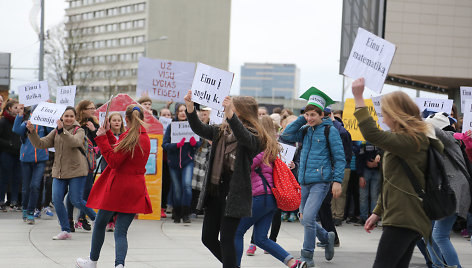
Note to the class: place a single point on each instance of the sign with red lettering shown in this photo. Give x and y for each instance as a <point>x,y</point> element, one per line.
<point>164,80</point>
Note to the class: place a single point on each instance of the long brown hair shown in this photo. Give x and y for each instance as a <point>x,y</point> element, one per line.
<point>246,108</point>
<point>135,117</point>
<point>272,148</point>
<point>81,108</point>
<point>405,115</point>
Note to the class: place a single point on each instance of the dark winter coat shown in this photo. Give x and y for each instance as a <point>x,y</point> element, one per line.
<point>9,141</point>
<point>239,198</point>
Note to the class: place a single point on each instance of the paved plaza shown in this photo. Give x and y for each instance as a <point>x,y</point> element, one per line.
<point>164,244</point>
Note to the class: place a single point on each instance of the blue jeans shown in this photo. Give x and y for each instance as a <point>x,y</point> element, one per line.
<point>87,188</point>
<point>372,178</point>
<point>32,176</point>
<point>123,221</point>
<point>263,209</point>
<point>442,244</point>
<point>76,190</point>
<point>312,198</point>
<point>11,174</point>
<point>182,185</point>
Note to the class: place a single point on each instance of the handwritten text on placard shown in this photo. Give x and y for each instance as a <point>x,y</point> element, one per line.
<point>33,93</point>
<point>181,130</point>
<point>47,114</point>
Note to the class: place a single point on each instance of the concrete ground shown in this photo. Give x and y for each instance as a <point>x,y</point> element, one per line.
<point>165,244</point>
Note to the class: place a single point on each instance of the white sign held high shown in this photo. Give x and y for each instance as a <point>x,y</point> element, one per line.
<point>101,116</point>
<point>165,122</point>
<point>210,86</point>
<point>66,95</point>
<point>216,117</point>
<point>46,114</point>
<point>466,93</point>
<point>181,129</point>
<point>371,57</point>
<point>467,110</point>
<point>287,153</point>
<point>164,79</point>
<point>435,105</point>
<point>33,93</point>
<point>378,111</point>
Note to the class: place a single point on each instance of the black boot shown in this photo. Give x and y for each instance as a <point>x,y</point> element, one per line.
<point>176,214</point>
<point>186,215</point>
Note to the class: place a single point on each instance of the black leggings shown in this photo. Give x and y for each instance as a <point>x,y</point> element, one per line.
<point>396,247</point>
<point>214,224</point>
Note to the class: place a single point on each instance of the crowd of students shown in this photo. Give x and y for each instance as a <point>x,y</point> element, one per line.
<point>227,175</point>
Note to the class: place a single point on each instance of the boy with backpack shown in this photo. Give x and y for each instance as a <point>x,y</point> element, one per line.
<point>322,163</point>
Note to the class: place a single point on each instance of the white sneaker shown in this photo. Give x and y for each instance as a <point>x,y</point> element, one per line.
<point>119,266</point>
<point>86,263</point>
<point>62,236</point>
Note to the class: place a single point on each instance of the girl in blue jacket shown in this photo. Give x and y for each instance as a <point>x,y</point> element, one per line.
<point>322,163</point>
<point>33,162</point>
<point>180,161</point>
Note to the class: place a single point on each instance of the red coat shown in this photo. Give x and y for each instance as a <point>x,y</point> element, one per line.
<point>121,187</point>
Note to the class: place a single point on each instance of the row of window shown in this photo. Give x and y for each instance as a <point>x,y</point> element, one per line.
<point>113,27</point>
<point>115,58</point>
<point>78,3</point>
<point>108,12</point>
<point>117,42</point>
<point>122,73</point>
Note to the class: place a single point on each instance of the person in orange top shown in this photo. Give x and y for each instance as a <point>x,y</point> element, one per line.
<point>121,188</point>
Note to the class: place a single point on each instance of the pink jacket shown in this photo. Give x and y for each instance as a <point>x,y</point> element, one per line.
<point>467,141</point>
<point>258,186</point>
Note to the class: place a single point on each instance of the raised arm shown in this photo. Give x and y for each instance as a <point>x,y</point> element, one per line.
<point>294,132</point>
<point>41,143</point>
<point>19,127</point>
<point>73,140</point>
<point>198,127</point>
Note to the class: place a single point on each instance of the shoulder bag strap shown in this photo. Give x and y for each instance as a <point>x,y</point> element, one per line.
<point>420,191</point>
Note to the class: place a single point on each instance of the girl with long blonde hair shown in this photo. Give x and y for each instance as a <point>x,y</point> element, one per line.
<point>264,205</point>
<point>403,217</point>
<point>121,188</point>
<point>227,194</point>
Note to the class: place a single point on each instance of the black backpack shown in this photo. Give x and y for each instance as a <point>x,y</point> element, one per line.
<point>439,200</point>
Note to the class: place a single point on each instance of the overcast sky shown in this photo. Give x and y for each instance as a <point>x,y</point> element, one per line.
<point>304,32</point>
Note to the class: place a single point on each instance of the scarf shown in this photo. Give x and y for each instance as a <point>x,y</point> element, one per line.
<point>8,116</point>
<point>225,154</point>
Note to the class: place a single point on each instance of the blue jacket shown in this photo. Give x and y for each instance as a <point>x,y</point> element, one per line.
<point>315,160</point>
<point>178,157</point>
<point>29,153</point>
<point>346,139</point>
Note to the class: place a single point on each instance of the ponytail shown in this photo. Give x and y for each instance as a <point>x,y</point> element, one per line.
<point>135,117</point>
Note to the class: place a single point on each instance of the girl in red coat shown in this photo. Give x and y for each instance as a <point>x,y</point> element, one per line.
<point>121,187</point>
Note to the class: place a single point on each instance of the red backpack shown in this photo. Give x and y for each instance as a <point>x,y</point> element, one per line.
<point>287,191</point>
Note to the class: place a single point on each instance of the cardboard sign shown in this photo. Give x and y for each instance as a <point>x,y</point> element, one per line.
<point>164,79</point>
<point>436,105</point>
<point>378,111</point>
<point>210,86</point>
<point>181,130</point>
<point>216,117</point>
<point>33,93</point>
<point>165,122</point>
<point>47,114</point>
<point>467,120</point>
<point>466,93</point>
<point>66,95</point>
<point>101,116</point>
<point>287,153</point>
<point>371,57</point>
<point>350,121</point>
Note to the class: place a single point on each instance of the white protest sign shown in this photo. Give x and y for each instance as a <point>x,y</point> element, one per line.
<point>466,93</point>
<point>370,58</point>
<point>435,105</point>
<point>210,86</point>
<point>378,111</point>
<point>33,93</point>
<point>101,116</point>
<point>164,79</point>
<point>165,122</point>
<point>66,95</point>
<point>46,114</point>
<point>216,117</point>
<point>287,153</point>
<point>181,130</point>
<point>467,120</point>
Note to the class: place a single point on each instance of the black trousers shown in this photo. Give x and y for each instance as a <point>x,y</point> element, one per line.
<point>214,224</point>
<point>326,215</point>
<point>352,196</point>
<point>165,184</point>
<point>395,247</point>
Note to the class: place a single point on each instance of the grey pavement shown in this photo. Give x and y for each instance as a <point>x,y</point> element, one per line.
<point>165,244</point>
